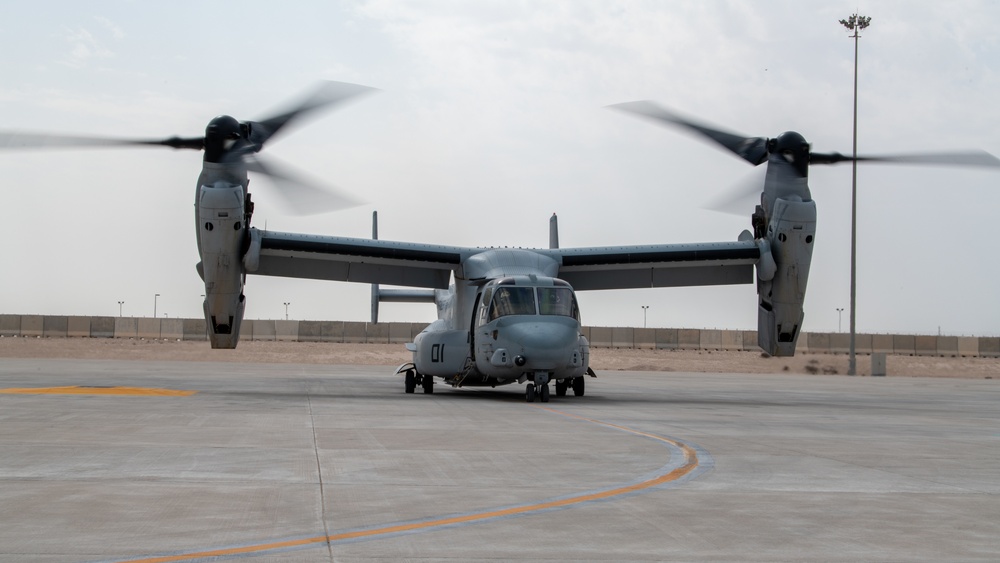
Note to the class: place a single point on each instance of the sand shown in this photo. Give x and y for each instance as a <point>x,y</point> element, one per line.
<point>601,359</point>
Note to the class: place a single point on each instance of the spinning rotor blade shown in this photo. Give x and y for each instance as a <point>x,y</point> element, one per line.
<point>13,140</point>
<point>301,196</point>
<point>325,95</point>
<point>971,158</point>
<point>751,149</point>
<point>739,197</point>
<point>756,150</point>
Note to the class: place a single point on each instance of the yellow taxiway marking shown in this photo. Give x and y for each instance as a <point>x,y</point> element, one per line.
<point>84,390</point>
<point>689,464</point>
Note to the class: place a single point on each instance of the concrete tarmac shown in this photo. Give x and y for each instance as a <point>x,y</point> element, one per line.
<point>335,463</point>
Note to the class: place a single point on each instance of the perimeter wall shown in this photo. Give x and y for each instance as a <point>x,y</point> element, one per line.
<point>400,333</point>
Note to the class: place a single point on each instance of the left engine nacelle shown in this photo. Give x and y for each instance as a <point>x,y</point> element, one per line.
<point>222,239</point>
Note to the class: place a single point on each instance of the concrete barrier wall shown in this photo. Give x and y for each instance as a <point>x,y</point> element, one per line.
<point>601,337</point>
<point>688,339</point>
<point>102,327</point>
<point>196,329</point>
<point>10,325</point>
<point>55,326</point>
<point>882,343</point>
<point>989,347</point>
<point>665,338</point>
<point>644,338</point>
<point>321,331</point>
<point>355,332</point>
<point>172,329</point>
<point>710,340</point>
<point>126,327</point>
<point>623,337</point>
<point>732,340</point>
<point>31,325</point>
<point>147,328</point>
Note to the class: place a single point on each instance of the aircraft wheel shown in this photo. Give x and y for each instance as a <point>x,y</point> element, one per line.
<point>529,393</point>
<point>543,393</point>
<point>561,387</point>
<point>411,381</point>
<point>579,384</point>
<point>428,383</point>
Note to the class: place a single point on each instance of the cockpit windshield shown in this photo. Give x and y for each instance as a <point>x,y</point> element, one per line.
<point>520,300</point>
<point>557,301</point>
<point>513,301</point>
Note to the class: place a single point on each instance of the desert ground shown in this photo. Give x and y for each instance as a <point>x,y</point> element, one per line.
<point>601,359</point>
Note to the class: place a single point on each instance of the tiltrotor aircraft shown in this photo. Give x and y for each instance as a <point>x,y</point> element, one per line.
<point>505,315</point>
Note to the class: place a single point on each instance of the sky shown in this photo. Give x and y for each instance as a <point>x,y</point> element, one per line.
<point>489,117</point>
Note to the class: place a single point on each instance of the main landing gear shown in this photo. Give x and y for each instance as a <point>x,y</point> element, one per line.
<point>413,379</point>
<point>577,383</point>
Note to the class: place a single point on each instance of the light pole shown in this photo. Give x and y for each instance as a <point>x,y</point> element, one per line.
<point>120,303</point>
<point>286,310</point>
<point>854,23</point>
<point>840,311</point>
<point>644,309</point>
<point>155,297</point>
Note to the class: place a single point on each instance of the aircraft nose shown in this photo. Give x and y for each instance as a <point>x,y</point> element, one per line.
<point>543,344</point>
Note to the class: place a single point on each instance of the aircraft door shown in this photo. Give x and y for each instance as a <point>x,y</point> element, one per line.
<point>473,324</point>
<point>479,335</point>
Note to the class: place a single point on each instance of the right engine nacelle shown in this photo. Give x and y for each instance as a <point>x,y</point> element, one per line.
<point>781,285</point>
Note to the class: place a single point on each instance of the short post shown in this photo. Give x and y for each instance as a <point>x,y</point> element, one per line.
<point>878,364</point>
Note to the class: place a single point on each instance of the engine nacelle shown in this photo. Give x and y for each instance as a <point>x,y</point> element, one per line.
<point>781,288</point>
<point>222,239</point>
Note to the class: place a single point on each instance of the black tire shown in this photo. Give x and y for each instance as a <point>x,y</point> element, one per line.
<point>529,393</point>
<point>428,383</point>
<point>411,381</point>
<point>544,393</point>
<point>561,387</point>
<point>579,385</point>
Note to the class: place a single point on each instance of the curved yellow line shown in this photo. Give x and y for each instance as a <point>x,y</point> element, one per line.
<point>84,390</point>
<point>689,465</point>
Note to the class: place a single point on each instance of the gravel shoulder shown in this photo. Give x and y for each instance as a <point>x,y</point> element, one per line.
<point>606,359</point>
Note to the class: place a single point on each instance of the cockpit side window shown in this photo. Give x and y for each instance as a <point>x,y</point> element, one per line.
<point>484,307</point>
<point>557,301</point>
<point>512,301</point>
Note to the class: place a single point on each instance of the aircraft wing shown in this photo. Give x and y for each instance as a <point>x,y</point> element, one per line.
<point>431,266</point>
<point>353,259</point>
<point>660,265</point>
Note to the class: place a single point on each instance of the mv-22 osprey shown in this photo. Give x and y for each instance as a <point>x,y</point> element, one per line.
<point>505,315</point>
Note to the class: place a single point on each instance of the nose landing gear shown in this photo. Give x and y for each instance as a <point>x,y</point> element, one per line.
<point>540,390</point>
<point>540,387</point>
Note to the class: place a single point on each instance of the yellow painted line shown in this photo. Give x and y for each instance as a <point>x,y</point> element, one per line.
<point>689,465</point>
<point>83,390</point>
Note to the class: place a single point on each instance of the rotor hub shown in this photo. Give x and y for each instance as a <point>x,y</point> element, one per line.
<point>793,149</point>
<point>221,134</point>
